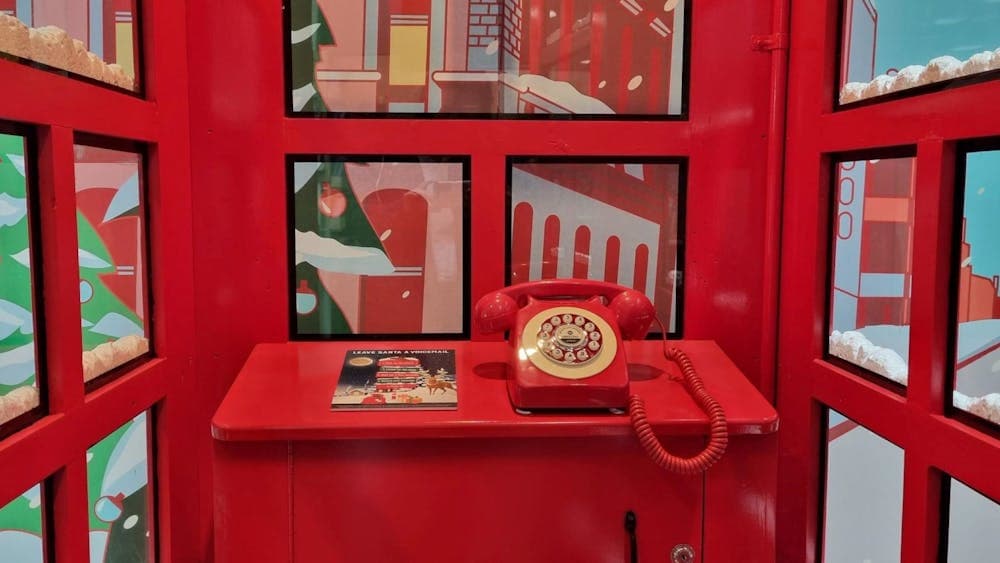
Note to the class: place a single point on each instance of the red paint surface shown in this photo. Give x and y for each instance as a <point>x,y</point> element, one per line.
<point>388,486</point>
<point>934,444</point>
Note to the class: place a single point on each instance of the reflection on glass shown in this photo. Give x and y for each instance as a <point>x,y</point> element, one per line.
<point>112,232</point>
<point>18,385</point>
<point>379,247</point>
<point>487,56</point>
<point>21,528</point>
<point>977,368</point>
<point>92,38</point>
<point>615,222</point>
<point>118,495</point>
<point>873,245</point>
<point>864,494</point>
<point>973,521</point>
<point>893,45</point>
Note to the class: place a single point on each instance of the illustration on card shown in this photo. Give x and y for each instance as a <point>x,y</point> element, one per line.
<point>487,56</point>
<point>379,247</point>
<point>383,379</point>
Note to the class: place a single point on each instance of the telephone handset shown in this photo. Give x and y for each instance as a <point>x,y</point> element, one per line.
<point>566,337</point>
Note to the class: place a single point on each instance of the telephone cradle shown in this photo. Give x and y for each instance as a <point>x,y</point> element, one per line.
<point>567,352</point>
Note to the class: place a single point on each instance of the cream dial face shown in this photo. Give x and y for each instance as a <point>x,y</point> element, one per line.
<point>569,342</point>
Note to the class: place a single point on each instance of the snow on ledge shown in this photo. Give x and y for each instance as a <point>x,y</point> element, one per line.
<point>857,349</point>
<point>937,70</point>
<point>987,406</point>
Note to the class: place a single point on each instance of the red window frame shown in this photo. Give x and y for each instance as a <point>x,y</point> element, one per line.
<point>57,109</point>
<point>936,445</point>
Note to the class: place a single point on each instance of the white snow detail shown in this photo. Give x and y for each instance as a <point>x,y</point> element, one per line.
<point>333,256</point>
<point>18,161</point>
<point>13,317</point>
<point>12,210</point>
<point>937,69</point>
<point>635,82</point>
<point>854,347</point>
<point>987,406</point>
<point>17,365</point>
<point>493,47</point>
<point>23,258</point>
<point>116,325</point>
<point>301,96</point>
<point>92,261</point>
<point>125,200</point>
<point>300,35</point>
<point>555,96</point>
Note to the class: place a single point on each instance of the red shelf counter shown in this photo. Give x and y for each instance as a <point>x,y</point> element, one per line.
<point>297,482</point>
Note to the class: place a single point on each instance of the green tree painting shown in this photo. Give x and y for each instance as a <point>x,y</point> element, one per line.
<point>17,335</point>
<point>309,31</point>
<point>334,234</point>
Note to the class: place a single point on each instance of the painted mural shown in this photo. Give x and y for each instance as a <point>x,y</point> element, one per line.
<point>379,247</point>
<point>91,38</point>
<point>21,537</point>
<point>872,267</point>
<point>615,222</point>
<point>872,275</point>
<point>864,502</point>
<point>111,232</point>
<point>18,385</point>
<point>977,368</point>
<point>118,493</point>
<point>487,56</point>
<point>119,504</point>
<point>894,45</point>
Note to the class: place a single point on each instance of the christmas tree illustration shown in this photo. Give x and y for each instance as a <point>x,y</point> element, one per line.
<point>332,234</point>
<point>309,31</point>
<point>17,335</point>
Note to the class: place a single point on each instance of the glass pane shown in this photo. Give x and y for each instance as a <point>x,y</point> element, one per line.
<point>119,495</point>
<point>977,368</point>
<point>91,38</point>
<point>873,245</point>
<point>973,523</point>
<point>111,227</point>
<point>615,222</point>
<point>18,384</point>
<point>864,494</point>
<point>21,528</point>
<point>487,56</point>
<point>379,247</point>
<point>894,45</point>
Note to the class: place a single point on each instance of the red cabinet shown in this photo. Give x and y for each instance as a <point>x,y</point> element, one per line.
<point>297,482</point>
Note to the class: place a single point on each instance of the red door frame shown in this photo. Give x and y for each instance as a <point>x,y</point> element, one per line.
<point>935,445</point>
<point>57,108</point>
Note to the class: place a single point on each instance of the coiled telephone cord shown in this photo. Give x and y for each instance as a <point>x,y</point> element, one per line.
<point>718,434</point>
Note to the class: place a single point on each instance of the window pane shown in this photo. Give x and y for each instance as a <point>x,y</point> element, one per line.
<point>111,227</point>
<point>95,39</point>
<point>21,528</point>
<point>977,369</point>
<point>973,523</point>
<point>119,495</point>
<point>614,221</point>
<point>873,247</point>
<point>487,56</point>
<point>18,384</point>
<point>894,45</point>
<point>379,247</point>
<point>864,494</point>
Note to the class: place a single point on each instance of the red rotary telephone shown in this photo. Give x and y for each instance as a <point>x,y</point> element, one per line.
<point>566,338</point>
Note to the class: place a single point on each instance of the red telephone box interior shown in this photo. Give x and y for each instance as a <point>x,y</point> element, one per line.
<point>240,206</point>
